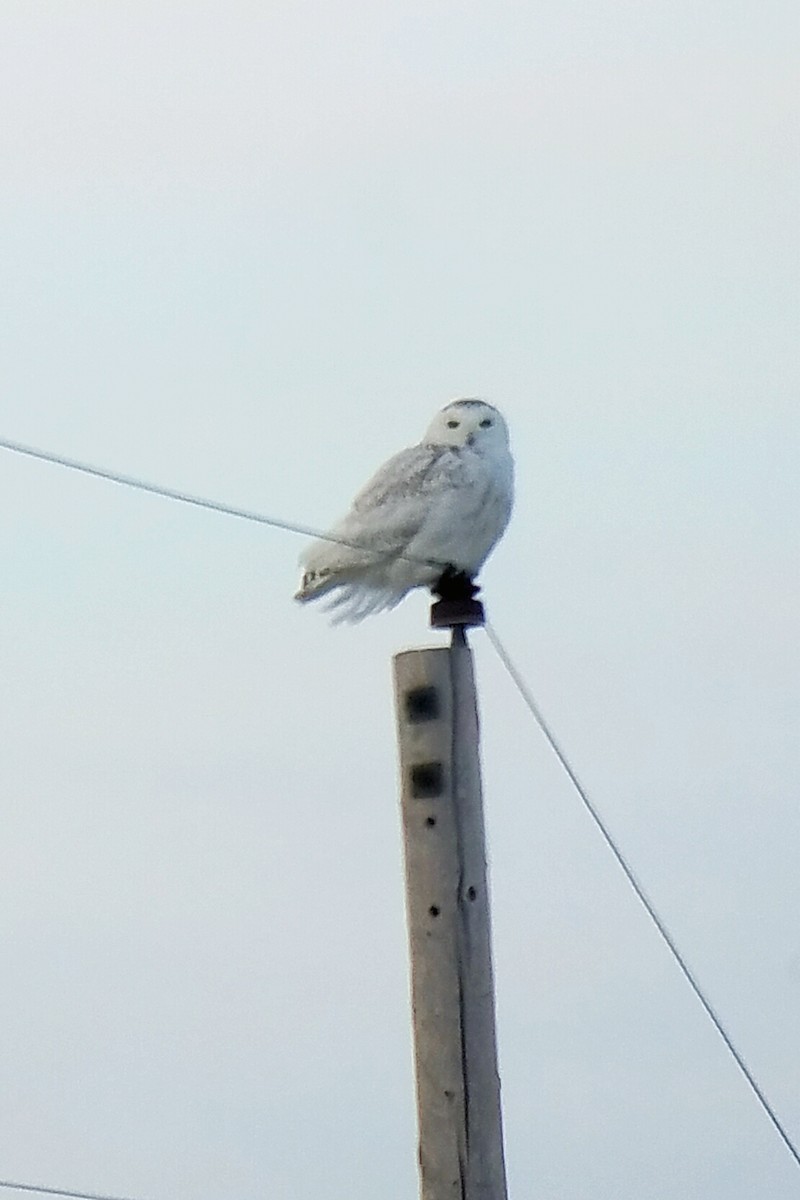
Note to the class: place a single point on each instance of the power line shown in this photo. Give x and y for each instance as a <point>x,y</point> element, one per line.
<point>538,717</point>
<point>157,489</point>
<point>54,1191</point>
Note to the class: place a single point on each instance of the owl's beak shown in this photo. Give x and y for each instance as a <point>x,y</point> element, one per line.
<point>470,439</point>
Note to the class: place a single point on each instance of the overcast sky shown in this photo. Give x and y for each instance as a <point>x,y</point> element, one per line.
<point>248,249</point>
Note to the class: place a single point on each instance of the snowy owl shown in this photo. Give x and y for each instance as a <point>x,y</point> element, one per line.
<point>434,510</point>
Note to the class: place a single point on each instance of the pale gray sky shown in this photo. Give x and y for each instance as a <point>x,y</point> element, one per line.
<point>247,250</point>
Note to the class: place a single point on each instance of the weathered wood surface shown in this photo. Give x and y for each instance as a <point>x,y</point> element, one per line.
<point>458,1089</point>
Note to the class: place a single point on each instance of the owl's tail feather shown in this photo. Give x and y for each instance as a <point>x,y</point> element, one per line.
<point>354,580</point>
<point>316,583</point>
<point>326,567</point>
<point>351,599</point>
<point>355,601</point>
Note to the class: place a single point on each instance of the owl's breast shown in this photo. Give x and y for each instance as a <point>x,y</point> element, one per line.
<point>480,509</point>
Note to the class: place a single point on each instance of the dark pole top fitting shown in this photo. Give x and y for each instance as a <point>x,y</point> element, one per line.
<point>456,605</point>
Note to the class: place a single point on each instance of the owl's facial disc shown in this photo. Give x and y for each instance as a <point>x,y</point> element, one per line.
<point>470,423</point>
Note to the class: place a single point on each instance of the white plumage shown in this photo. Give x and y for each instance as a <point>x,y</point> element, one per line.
<point>442,503</point>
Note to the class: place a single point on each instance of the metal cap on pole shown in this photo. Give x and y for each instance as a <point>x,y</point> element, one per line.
<point>456,606</point>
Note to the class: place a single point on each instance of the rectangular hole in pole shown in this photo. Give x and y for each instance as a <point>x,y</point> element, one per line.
<point>422,704</point>
<point>427,780</point>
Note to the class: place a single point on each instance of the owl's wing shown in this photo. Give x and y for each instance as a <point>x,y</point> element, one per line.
<point>385,516</point>
<point>390,510</point>
<point>407,476</point>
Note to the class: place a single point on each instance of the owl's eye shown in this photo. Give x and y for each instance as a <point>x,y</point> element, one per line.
<point>486,422</point>
<point>453,424</point>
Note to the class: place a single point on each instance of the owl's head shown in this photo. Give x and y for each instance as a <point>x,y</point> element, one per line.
<point>468,423</point>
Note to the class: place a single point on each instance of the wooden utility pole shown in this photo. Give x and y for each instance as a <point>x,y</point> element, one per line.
<point>458,1089</point>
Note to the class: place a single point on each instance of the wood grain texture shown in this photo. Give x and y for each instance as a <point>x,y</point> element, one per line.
<point>458,1090</point>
